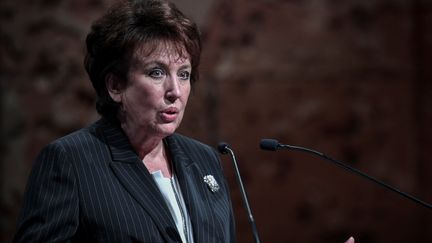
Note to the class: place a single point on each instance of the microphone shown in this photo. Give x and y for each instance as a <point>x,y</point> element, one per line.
<point>269,144</point>
<point>224,148</point>
<point>273,145</point>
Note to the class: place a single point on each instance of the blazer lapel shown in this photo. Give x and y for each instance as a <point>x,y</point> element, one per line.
<point>136,179</point>
<point>195,191</point>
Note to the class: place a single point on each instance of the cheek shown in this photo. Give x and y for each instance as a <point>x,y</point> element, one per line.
<point>186,92</point>
<point>146,95</point>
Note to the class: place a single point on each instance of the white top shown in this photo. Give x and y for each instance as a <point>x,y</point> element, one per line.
<point>171,192</point>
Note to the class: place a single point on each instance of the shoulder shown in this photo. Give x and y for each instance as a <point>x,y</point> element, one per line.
<point>81,139</point>
<point>78,149</point>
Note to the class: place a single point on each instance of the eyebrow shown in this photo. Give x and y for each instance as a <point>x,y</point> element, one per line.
<point>186,66</point>
<point>159,63</point>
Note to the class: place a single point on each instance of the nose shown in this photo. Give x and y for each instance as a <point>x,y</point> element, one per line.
<point>173,89</point>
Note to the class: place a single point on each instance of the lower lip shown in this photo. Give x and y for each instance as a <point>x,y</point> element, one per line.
<point>168,117</point>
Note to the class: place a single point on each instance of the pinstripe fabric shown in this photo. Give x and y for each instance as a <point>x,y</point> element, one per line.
<point>90,186</point>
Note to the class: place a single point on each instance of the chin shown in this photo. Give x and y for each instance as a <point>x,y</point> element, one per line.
<point>168,129</point>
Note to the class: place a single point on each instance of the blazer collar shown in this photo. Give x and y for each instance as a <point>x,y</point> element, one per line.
<point>122,150</point>
<point>132,173</point>
<point>135,178</point>
<point>177,153</point>
<point>195,193</point>
<point>118,143</point>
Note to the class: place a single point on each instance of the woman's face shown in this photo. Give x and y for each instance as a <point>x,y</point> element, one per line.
<point>156,93</point>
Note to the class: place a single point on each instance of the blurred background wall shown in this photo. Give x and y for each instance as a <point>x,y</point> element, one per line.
<point>350,78</point>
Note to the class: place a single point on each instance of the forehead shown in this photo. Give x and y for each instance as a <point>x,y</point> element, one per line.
<point>166,52</point>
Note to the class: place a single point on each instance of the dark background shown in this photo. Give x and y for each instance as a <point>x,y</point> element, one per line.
<point>350,78</point>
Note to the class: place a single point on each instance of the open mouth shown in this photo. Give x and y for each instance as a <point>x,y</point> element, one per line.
<point>171,110</point>
<point>169,114</point>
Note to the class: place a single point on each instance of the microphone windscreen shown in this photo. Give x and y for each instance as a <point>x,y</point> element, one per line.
<point>269,144</point>
<point>223,147</point>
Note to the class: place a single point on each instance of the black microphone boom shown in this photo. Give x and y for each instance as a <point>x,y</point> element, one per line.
<point>225,149</point>
<point>273,145</point>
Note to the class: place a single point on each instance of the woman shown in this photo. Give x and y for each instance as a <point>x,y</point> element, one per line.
<point>129,177</point>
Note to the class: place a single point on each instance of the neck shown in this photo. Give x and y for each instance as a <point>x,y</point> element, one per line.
<point>144,142</point>
<point>151,151</point>
<point>148,144</point>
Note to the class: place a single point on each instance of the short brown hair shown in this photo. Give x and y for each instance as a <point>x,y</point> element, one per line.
<point>127,25</point>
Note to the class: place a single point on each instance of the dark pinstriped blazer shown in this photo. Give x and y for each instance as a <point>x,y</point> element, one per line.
<point>90,186</point>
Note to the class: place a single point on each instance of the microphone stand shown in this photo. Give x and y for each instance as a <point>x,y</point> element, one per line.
<point>273,145</point>
<point>224,149</point>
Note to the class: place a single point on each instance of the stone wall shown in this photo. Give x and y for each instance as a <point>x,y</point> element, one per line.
<point>348,78</point>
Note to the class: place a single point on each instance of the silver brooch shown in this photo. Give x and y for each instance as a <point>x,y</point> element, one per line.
<point>211,183</point>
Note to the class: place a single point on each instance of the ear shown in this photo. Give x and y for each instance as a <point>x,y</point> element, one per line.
<point>114,87</point>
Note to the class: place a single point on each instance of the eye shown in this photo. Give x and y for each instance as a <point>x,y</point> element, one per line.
<point>184,75</point>
<point>156,73</point>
